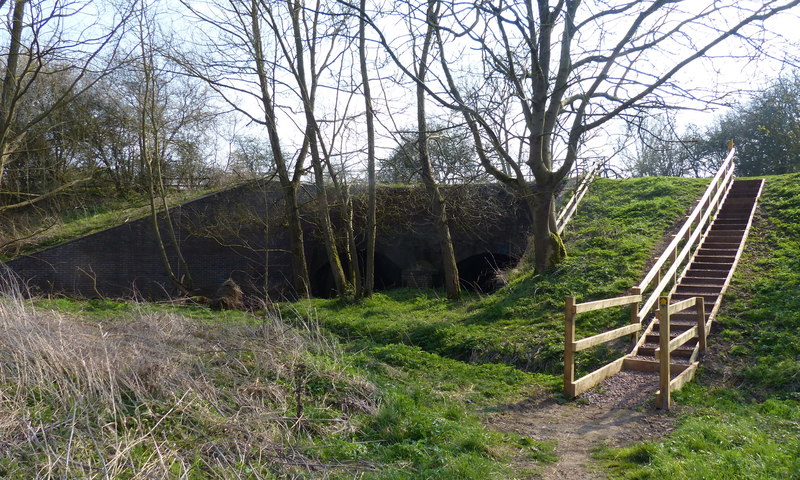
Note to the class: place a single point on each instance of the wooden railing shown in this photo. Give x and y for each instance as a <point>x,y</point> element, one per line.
<point>653,285</point>
<point>580,190</point>
<point>677,253</point>
<point>574,387</point>
<point>667,346</point>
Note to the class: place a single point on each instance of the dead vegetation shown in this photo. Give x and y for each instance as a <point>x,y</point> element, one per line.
<point>159,395</point>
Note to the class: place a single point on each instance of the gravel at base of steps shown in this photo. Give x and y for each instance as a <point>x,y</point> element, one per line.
<point>627,389</point>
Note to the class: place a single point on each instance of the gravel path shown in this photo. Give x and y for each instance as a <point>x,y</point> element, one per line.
<point>617,412</point>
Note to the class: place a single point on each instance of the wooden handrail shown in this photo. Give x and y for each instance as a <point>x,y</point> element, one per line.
<point>574,387</point>
<point>678,259</point>
<point>690,233</point>
<point>607,303</point>
<point>604,337</point>
<point>727,164</point>
<point>667,345</point>
<point>572,205</point>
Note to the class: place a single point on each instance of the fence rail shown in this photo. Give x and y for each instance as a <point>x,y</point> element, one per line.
<point>667,385</point>
<point>655,282</point>
<point>574,387</point>
<point>572,205</point>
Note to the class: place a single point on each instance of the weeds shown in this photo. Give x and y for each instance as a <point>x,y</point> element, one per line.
<point>158,394</point>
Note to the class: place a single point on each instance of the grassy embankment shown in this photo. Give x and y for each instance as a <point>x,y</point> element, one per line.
<point>388,388</point>
<point>27,233</point>
<point>740,419</point>
<point>610,243</point>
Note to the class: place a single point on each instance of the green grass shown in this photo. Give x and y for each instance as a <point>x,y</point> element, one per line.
<point>186,385</point>
<point>609,242</point>
<point>741,418</point>
<point>408,374</point>
<point>79,222</point>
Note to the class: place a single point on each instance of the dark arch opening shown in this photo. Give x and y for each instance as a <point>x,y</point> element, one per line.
<point>388,275</point>
<point>479,272</point>
<point>322,285</point>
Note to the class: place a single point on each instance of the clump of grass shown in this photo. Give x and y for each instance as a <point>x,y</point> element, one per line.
<point>156,394</point>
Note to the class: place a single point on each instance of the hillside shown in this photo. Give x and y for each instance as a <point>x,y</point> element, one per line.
<point>740,418</point>
<point>407,384</point>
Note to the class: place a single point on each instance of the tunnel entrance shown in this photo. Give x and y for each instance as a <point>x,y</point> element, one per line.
<point>387,276</point>
<point>479,272</point>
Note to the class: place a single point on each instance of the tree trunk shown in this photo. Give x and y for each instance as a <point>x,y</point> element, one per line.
<point>339,279</point>
<point>451,282</point>
<point>369,275</point>
<point>300,279</point>
<point>289,184</point>
<point>547,248</point>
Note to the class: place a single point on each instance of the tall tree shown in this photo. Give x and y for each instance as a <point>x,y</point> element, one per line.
<point>369,115</point>
<point>439,207</point>
<point>765,128</point>
<point>546,73</point>
<point>232,53</point>
<point>43,41</point>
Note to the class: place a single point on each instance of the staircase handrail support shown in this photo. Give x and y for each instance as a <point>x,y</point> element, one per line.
<point>572,205</point>
<point>687,248</point>
<point>574,387</point>
<point>666,345</point>
<point>719,187</point>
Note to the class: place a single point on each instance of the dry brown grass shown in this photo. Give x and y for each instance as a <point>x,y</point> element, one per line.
<point>160,395</point>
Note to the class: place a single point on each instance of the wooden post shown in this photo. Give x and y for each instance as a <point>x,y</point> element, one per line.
<point>675,275</point>
<point>663,334</point>
<point>701,323</point>
<point>569,352</point>
<point>635,313</point>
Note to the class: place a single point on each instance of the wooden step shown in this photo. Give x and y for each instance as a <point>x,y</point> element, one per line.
<point>721,245</point>
<point>703,281</point>
<point>710,266</point>
<point>708,298</point>
<point>675,325</point>
<point>649,350</point>
<point>718,252</point>
<point>684,287</point>
<point>644,364</point>
<point>688,316</point>
<point>714,259</point>
<point>696,271</point>
<point>730,222</point>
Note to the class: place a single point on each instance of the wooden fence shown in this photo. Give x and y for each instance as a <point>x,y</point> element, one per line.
<point>667,385</point>
<point>580,190</point>
<point>574,387</point>
<point>645,295</point>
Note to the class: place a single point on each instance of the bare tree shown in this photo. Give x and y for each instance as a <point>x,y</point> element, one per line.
<point>547,73</point>
<point>48,40</point>
<point>439,208</point>
<point>369,274</point>
<point>236,57</point>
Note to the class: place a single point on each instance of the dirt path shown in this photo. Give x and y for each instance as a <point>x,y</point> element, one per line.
<point>618,413</point>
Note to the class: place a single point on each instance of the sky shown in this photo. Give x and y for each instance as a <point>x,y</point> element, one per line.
<point>729,73</point>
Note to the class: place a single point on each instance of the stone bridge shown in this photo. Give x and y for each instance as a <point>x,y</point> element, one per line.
<point>240,233</point>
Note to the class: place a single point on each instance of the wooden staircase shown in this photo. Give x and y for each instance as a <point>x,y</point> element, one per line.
<point>679,296</point>
<point>707,276</point>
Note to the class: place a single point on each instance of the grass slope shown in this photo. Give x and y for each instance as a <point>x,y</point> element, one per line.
<point>610,242</point>
<point>395,386</point>
<point>741,418</point>
<point>46,231</point>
